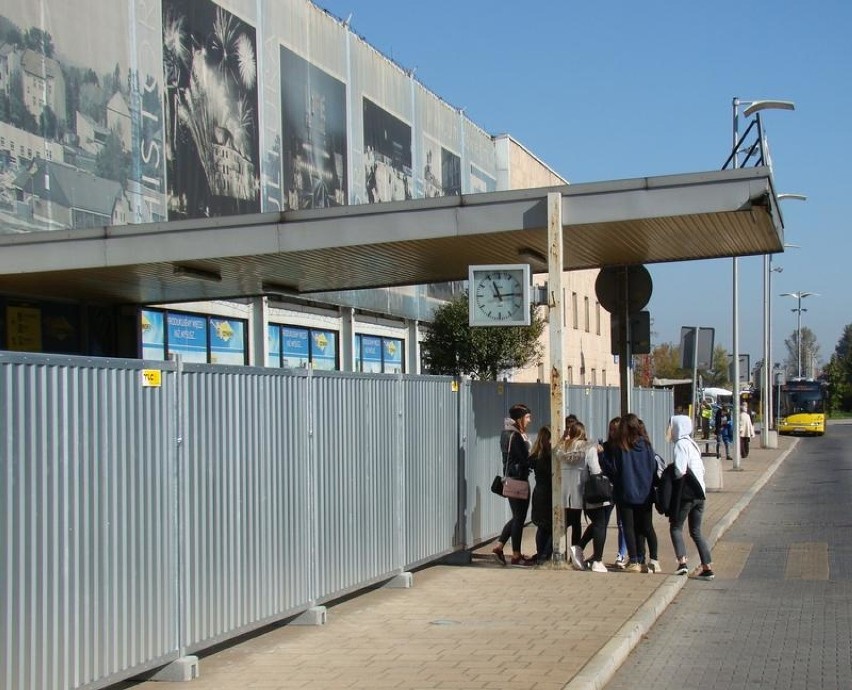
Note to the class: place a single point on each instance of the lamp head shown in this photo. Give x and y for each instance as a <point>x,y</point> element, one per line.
<point>755,106</point>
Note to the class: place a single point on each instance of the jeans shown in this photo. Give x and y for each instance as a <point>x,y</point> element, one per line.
<point>639,527</point>
<point>515,526</point>
<point>694,511</point>
<point>596,530</point>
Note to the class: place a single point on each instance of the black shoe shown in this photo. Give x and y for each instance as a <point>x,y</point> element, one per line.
<point>706,575</point>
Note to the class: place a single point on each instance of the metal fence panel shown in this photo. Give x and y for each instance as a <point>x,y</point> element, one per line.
<point>245,500</point>
<point>86,535</point>
<point>429,477</point>
<point>355,448</point>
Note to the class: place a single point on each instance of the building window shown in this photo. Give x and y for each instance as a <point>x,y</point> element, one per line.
<point>564,307</point>
<point>575,310</point>
<point>296,347</point>
<point>603,377</point>
<point>594,377</point>
<point>597,317</point>
<point>195,337</point>
<point>569,375</point>
<point>378,355</point>
<point>586,314</point>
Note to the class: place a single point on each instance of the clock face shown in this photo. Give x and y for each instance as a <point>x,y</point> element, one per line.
<point>499,295</point>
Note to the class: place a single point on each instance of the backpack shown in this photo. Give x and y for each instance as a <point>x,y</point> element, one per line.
<point>665,490</point>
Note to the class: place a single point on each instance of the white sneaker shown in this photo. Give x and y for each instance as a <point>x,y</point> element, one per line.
<point>621,562</point>
<point>654,566</point>
<point>598,567</point>
<point>577,558</point>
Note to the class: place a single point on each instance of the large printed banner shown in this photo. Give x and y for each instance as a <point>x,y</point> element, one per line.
<point>138,111</point>
<point>80,115</point>
<point>313,126</point>
<point>210,63</point>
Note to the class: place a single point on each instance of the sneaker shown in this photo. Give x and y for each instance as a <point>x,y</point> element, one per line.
<point>598,567</point>
<point>633,567</point>
<point>577,558</point>
<point>654,566</point>
<point>706,575</point>
<point>620,562</point>
<point>682,569</point>
<point>498,554</point>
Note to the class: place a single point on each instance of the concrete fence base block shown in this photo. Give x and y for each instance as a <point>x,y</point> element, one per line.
<point>463,557</point>
<point>316,615</point>
<point>401,581</point>
<point>179,671</point>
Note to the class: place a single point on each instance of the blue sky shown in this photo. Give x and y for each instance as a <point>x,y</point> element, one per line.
<point>603,91</point>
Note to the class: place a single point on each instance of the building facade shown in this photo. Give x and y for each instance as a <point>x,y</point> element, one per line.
<point>188,109</point>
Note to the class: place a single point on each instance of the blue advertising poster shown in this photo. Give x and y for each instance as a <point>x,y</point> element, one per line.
<point>273,335</point>
<point>294,347</point>
<point>324,350</point>
<point>153,334</point>
<point>227,341</point>
<point>371,354</point>
<point>393,355</point>
<point>188,336</point>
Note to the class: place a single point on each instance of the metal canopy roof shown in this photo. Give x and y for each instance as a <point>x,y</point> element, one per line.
<point>646,220</point>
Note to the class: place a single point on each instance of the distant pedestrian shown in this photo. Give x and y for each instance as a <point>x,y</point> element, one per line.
<point>746,430</point>
<point>514,445</point>
<point>542,497</point>
<point>688,496</point>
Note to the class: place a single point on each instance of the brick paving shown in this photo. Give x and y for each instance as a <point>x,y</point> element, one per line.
<point>478,626</point>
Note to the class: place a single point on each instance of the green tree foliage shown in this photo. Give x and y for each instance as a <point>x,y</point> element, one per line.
<point>453,347</point>
<point>838,372</point>
<point>720,374</point>
<point>810,353</point>
<point>665,362</point>
<point>19,115</point>
<point>48,124</point>
<point>10,32</point>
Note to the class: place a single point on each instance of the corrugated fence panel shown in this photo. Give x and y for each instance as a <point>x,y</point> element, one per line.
<point>430,479</point>
<point>356,451</point>
<point>246,500</point>
<point>88,552</point>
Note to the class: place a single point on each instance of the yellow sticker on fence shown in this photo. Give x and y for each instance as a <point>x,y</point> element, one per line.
<point>151,378</point>
<point>454,386</point>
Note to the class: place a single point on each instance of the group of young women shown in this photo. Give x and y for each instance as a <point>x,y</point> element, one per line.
<point>627,458</point>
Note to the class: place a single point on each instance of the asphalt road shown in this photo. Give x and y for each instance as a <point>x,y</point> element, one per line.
<point>779,613</point>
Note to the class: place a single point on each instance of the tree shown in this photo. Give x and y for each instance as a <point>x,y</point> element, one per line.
<point>48,124</point>
<point>810,353</point>
<point>838,373</point>
<point>665,362</point>
<point>720,374</point>
<point>453,347</point>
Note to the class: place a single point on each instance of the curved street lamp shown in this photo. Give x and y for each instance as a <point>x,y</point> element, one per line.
<point>799,296</point>
<point>751,107</point>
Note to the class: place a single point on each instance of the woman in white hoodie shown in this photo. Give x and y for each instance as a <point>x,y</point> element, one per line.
<point>688,497</point>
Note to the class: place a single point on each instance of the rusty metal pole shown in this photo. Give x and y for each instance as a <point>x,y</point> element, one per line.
<point>557,388</point>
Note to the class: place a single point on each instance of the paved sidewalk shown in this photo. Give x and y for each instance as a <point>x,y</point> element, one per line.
<point>484,625</point>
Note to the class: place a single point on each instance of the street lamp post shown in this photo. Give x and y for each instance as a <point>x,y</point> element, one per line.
<point>799,296</point>
<point>768,367</point>
<point>751,107</point>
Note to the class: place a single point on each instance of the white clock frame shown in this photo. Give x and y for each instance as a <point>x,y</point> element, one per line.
<point>477,316</point>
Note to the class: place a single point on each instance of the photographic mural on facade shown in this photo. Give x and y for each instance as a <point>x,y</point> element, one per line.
<point>387,155</point>
<point>313,125</point>
<point>80,131</point>
<point>441,171</point>
<point>210,64</point>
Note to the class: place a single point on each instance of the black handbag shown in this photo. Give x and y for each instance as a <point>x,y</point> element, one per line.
<point>497,485</point>
<point>597,489</point>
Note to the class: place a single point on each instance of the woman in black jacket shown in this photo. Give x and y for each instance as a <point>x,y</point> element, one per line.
<point>542,498</point>
<point>514,446</point>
